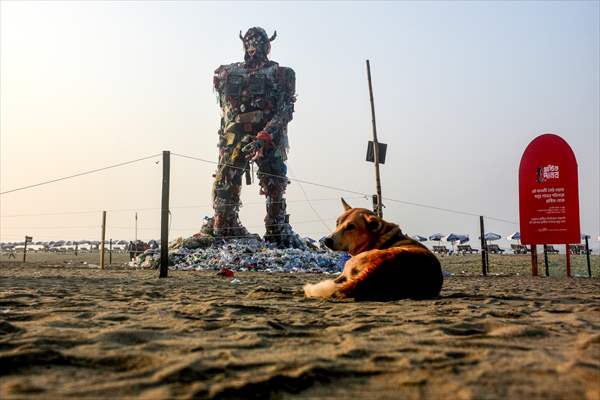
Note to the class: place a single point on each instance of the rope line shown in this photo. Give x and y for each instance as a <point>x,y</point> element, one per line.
<point>447,210</point>
<point>79,174</point>
<point>352,191</point>
<point>277,176</point>
<point>300,181</point>
<point>311,206</point>
<point>172,208</point>
<point>158,227</point>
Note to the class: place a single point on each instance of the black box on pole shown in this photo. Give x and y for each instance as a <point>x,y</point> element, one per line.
<point>371,154</point>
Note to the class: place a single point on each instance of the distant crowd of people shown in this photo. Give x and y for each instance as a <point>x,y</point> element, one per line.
<point>136,248</point>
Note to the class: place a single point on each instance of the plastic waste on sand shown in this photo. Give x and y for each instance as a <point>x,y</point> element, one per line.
<point>244,255</point>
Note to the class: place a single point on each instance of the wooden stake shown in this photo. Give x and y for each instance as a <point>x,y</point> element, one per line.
<point>135,241</point>
<point>587,255</point>
<point>164,218</point>
<point>25,250</point>
<point>109,252</point>
<point>102,240</point>
<point>483,247</point>
<point>379,211</point>
<point>534,260</point>
<point>568,250</point>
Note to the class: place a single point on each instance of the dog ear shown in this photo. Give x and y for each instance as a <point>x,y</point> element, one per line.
<point>346,205</point>
<point>373,222</point>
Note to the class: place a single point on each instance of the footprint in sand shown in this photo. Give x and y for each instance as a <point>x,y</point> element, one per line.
<point>8,328</point>
<point>514,331</point>
<point>464,329</point>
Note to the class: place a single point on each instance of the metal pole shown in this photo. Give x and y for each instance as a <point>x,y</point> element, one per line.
<point>164,218</point>
<point>379,211</point>
<point>546,259</point>
<point>102,240</point>
<point>587,255</point>
<point>483,248</point>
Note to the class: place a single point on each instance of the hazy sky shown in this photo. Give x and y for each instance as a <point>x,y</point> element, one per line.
<point>460,90</point>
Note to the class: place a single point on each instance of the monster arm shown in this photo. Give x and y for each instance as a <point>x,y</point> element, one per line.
<point>283,112</point>
<point>219,78</point>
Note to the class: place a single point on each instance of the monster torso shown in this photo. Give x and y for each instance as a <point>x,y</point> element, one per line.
<point>256,99</point>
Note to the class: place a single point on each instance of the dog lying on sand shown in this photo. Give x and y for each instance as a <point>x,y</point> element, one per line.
<point>385,264</point>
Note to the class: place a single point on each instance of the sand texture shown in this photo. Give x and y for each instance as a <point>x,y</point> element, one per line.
<point>72,332</point>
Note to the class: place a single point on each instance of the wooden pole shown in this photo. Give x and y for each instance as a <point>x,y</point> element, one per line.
<point>164,218</point>
<point>534,260</point>
<point>379,211</point>
<point>587,255</point>
<point>109,251</point>
<point>102,240</point>
<point>483,247</point>
<point>568,251</point>
<point>136,219</point>
<point>546,259</point>
<point>76,248</point>
<point>25,250</point>
<point>487,257</point>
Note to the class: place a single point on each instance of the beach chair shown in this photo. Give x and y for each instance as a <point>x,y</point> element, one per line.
<point>440,249</point>
<point>577,249</point>
<point>520,249</point>
<point>465,248</point>
<point>494,249</point>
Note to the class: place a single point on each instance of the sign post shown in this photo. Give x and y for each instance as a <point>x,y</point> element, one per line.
<point>376,146</point>
<point>548,195</point>
<point>568,255</point>
<point>534,260</point>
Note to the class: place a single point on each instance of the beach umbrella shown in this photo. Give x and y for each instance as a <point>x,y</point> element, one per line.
<point>418,238</point>
<point>514,236</point>
<point>491,236</point>
<point>436,237</point>
<point>457,237</point>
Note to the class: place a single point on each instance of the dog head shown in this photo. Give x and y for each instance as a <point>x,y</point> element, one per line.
<point>355,230</point>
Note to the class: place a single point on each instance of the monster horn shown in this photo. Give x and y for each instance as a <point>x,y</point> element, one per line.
<point>241,37</point>
<point>273,37</point>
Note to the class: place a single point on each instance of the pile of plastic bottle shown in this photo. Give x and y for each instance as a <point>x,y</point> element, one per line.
<point>245,255</point>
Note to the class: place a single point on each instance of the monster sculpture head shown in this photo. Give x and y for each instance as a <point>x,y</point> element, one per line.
<point>257,45</point>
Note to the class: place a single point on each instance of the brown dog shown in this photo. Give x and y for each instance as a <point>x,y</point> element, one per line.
<point>385,264</point>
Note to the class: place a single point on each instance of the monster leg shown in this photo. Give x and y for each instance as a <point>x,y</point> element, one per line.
<point>226,194</point>
<point>273,183</point>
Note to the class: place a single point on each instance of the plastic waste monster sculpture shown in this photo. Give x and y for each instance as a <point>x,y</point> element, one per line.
<point>257,98</point>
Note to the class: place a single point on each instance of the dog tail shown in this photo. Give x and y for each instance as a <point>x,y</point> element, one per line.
<point>322,289</point>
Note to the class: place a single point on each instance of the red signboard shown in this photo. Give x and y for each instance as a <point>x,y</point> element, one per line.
<point>548,192</point>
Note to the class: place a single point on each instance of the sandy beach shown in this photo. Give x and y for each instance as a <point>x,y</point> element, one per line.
<point>82,332</point>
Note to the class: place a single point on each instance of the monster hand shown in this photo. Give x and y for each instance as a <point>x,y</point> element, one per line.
<point>264,141</point>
